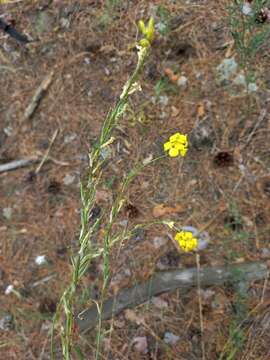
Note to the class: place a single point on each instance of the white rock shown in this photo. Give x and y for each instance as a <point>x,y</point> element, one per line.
<point>170,338</point>
<point>163,100</point>
<point>226,69</point>
<point>252,87</point>
<point>7,213</point>
<point>69,138</point>
<point>9,289</point>
<point>69,179</point>
<point>182,81</point>
<point>40,259</point>
<point>8,130</point>
<point>247,9</point>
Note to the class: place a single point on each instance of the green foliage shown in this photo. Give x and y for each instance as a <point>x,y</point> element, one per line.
<point>164,86</point>
<point>110,10</point>
<point>164,17</point>
<point>249,35</point>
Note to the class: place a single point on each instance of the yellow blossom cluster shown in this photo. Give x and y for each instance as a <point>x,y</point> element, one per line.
<point>186,241</point>
<point>176,145</point>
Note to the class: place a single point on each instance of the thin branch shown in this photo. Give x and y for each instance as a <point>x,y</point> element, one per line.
<point>43,87</point>
<point>169,281</point>
<point>16,164</point>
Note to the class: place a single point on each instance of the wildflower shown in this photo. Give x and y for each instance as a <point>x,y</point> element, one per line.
<point>148,31</point>
<point>186,241</point>
<point>176,145</point>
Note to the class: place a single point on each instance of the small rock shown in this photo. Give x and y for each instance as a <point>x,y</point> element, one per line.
<point>69,138</point>
<point>202,135</point>
<point>8,130</point>
<point>40,260</point>
<point>163,100</point>
<point>182,81</point>
<point>68,179</point>
<point>159,302</point>
<point>247,9</point>
<point>159,241</point>
<point>7,213</point>
<point>226,69</point>
<point>140,344</point>
<point>9,289</point>
<point>265,253</point>
<point>252,87</point>
<point>170,338</point>
<point>64,23</point>
<point>6,323</point>
<point>107,71</point>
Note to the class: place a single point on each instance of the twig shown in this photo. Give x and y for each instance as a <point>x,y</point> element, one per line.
<point>31,108</point>
<point>260,120</point>
<point>168,281</point>
<point>45,157</point>
<point>42,281</point>
<point>16,164</point>
<point>58,162</point>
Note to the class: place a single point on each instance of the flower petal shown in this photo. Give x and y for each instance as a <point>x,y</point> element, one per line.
<point>175,137</point>
<point>183,151</point>
<point>167,146</point>
<point>173,152</point>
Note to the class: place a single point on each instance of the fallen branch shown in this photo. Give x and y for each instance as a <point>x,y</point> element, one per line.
<point>16,164</point>
<point>31,108</point>
<point>168,281</point>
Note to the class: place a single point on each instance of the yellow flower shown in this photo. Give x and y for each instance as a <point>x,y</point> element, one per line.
<point>186,241</point>
<point>176,145</point>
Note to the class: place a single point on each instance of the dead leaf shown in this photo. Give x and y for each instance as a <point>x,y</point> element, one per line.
<point>200,110</point>
<point>161,210</point>
<point>175,111</point>
<point>171,75</point>
<point>140,344</point>
<point>130,315</point>
<point>229,50</point>
<point>103,195</point>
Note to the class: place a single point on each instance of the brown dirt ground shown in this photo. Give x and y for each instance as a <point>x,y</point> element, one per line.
<point>90,47</point>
